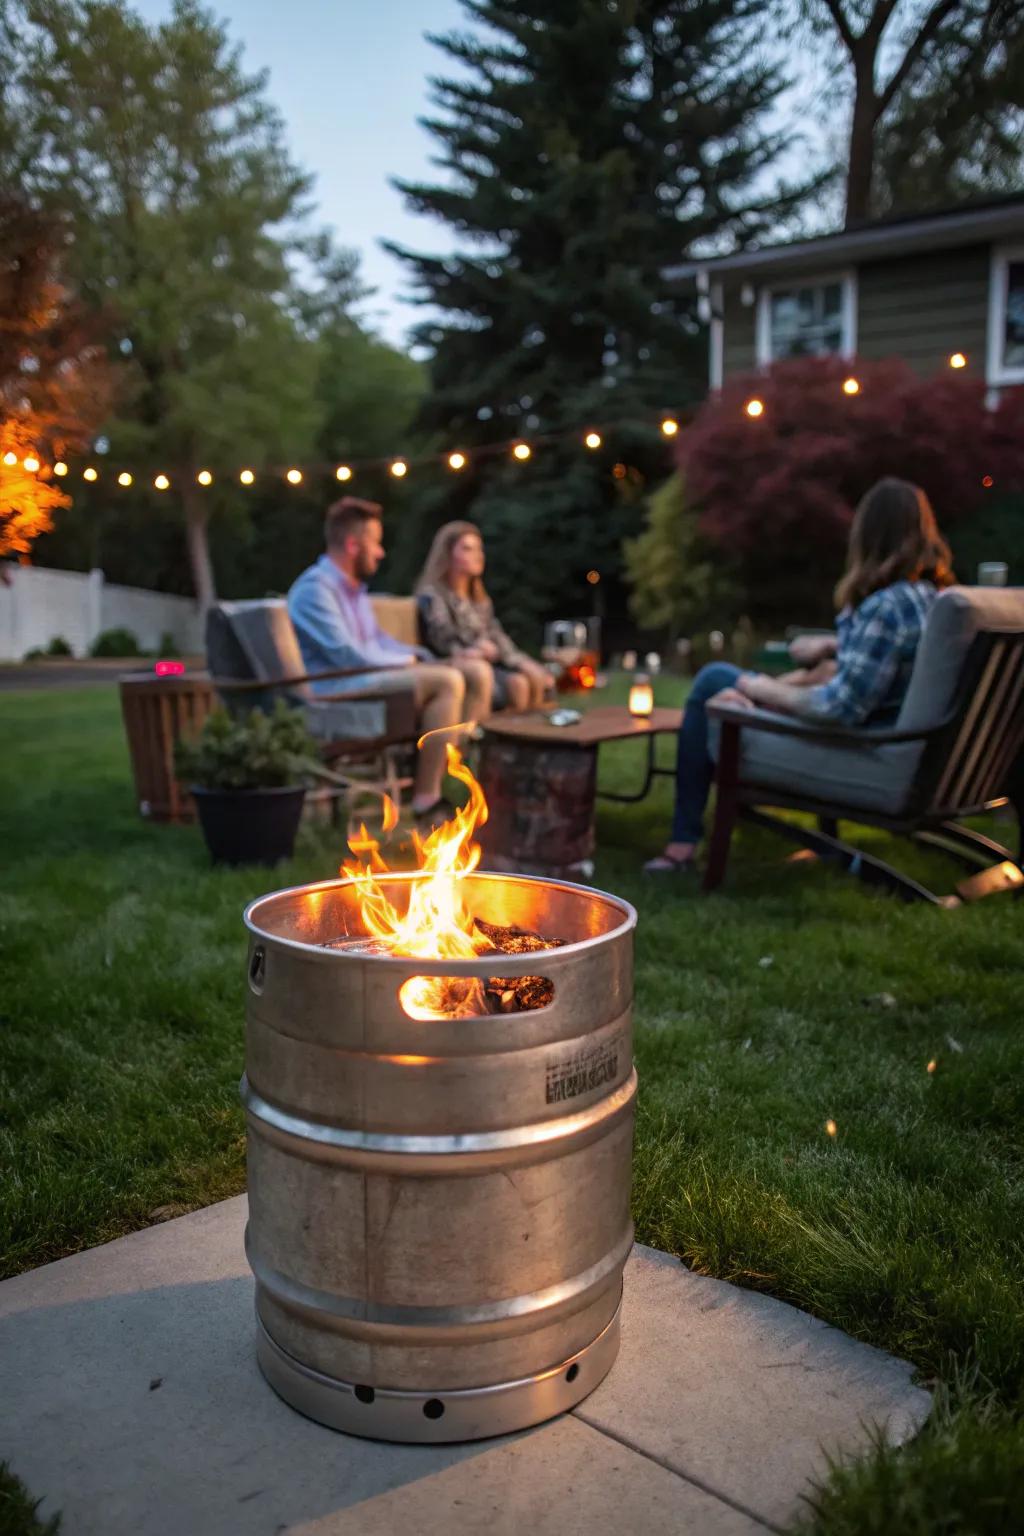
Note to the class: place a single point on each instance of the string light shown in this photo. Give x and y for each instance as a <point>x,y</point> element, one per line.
<point>754,408</point>
<point>247,477</point>
<point>987,482</point>
<point>31,464</point>
<point>593,440</point>
<point>343,472</point>
<point>521,451</point>
<point>204,477</point>
<point>60,468</point>
<point>669,426</point>
<point>593,577</point>
<point>957,360</point>
<point>294,477</point>
<point>851,387</point>
<point>161,483</point>
<point>619,471</point>
<point>831,1128</point>
<point>456,461</point>
<point>399,468</point>
<point>90,473</point>
<point>124,478</point>
<point>10,459</point>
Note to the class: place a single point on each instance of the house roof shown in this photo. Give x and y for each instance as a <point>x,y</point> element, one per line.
<point>967,224</point>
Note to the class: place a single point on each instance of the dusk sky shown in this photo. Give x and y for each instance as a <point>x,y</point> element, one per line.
<point>350,79</point>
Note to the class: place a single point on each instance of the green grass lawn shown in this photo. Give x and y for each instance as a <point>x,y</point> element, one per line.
<point>758,1018</point>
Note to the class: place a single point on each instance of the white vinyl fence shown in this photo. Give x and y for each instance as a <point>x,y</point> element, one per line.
<point>37,605</point>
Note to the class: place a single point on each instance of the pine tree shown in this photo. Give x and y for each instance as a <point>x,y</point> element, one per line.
<point>590,146</point>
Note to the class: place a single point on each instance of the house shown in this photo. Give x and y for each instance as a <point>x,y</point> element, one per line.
<point>939,289</point>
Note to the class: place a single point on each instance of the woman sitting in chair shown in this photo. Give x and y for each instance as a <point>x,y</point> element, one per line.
<point>896,563</point>
<point>457,618</point>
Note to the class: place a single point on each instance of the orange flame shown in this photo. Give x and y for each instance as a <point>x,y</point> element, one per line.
<point>437,924</point>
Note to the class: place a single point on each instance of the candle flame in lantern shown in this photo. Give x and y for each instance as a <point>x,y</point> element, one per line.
<point>437,924</point>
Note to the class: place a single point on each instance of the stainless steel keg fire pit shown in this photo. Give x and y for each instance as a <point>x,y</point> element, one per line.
<point>438,1207</point>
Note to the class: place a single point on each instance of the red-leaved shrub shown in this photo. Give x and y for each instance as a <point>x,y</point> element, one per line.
<point>776,493</point>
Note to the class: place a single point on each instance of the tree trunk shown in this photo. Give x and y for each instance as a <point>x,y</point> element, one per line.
<point>861,167</point>
<point>196,524</point>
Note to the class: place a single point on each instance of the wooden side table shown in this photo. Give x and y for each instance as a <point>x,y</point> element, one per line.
<point>540,781</point>
<point>156,711</point>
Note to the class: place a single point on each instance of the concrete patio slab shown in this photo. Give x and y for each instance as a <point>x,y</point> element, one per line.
<point>132,1402</point>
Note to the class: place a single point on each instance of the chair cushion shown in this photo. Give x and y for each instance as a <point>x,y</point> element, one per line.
<point>957,615</point>
<point>267,639</point>
<point>868,777</point>
<point>397,617</point>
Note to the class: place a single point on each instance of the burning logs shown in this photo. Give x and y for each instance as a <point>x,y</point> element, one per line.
<point>439,1209</point>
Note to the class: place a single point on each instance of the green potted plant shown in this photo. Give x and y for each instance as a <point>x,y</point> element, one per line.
<point>248,777</point>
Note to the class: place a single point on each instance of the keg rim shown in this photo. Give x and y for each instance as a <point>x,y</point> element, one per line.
<point>452,967</point>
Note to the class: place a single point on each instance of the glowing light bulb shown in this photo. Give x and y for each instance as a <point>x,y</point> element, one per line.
<point>124,478</point>
<point>669,426</point>
<point>593,577</point>
<point>851,387</point>
<point>60,468</point>
<point>90,473</point>
<point>204,477</point>
<point>521,451</point>
<point>247,477</point>
<point>294,477</point>
<point>456,461</point>
<point>10,459</point>
<point>987,482</point>
<point>932,1065</point>
<point>830,1127</point>
<point>754,408</point>
<point>593,440</point>
<point>31,464</point>
<point>161,483</point>
<point>343,472</point>
<point>957,360</point>
<point>399,468</point>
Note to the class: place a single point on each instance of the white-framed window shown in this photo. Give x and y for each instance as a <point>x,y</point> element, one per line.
<point>808,317</point>
<point>1006,316</point>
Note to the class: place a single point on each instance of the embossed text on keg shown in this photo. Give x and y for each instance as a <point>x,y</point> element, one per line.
<point>569,1076</point>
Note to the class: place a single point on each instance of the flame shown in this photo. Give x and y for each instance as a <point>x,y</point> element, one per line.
<point>437,924</point>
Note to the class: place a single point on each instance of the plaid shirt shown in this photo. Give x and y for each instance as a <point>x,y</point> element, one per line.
<point>878,642</point>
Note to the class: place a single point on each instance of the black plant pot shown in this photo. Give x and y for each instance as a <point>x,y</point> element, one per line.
<point>249,826</point>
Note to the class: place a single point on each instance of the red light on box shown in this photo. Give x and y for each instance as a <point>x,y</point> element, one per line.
<point>169,668</point>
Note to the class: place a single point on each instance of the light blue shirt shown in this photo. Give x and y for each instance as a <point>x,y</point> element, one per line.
<point>336,627</point>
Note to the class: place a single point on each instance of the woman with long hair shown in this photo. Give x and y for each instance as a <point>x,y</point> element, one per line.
<point>458,621</point>
<point>897,562</point>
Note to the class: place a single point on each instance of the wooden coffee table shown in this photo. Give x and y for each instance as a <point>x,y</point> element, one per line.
<point>540,781</point>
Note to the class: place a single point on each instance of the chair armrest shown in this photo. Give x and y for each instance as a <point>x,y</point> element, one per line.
<point>255,684</point>
<point>808,730</point>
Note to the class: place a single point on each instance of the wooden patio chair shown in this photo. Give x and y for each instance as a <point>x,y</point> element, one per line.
<point>254,659</point>
<point>956,751</point>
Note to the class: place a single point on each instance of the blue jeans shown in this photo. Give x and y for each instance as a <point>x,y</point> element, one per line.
<point>694,767</point>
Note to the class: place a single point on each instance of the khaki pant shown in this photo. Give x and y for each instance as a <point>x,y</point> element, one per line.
<point>446,694</point>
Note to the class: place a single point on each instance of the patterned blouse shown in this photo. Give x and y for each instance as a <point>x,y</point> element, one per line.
<point>451,623</point>
<point>878,642</point>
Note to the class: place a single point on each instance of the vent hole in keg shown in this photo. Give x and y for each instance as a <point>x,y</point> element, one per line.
<point>433,1409</point>
<point>474,997</point>
<point>572,1372</point>
<point>365,1394</point>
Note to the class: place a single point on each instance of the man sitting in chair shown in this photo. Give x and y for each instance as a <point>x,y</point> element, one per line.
<point>336,627</point>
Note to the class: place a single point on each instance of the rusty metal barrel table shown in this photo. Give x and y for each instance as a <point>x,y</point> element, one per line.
<point>438,1208</point>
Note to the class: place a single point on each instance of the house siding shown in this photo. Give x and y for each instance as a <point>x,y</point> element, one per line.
<point>921,308</point>
<point>924,307</point>
<point>739,353</point>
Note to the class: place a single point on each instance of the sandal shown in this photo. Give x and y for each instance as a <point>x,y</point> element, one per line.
<point>668,864</point>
